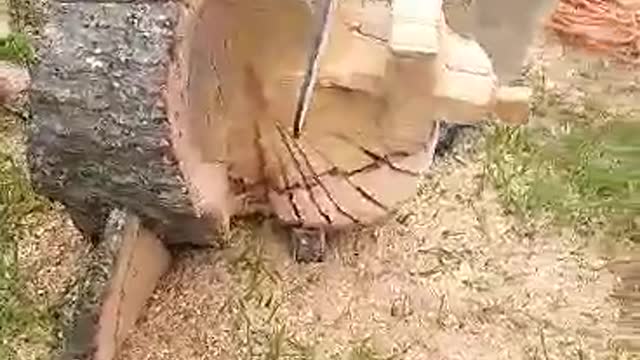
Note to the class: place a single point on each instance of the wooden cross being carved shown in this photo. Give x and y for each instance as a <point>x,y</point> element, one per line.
<point>322,113</point>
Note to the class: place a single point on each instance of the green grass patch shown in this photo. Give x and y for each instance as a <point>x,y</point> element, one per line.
<point>26,21</point>
<point>22,321</point>
<point>17,48</point>
<point>582,167</point>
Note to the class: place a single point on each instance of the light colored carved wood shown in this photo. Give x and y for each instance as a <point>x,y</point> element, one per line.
<point>415,27</point>
<point>386,75</point>
<point>466,83</point>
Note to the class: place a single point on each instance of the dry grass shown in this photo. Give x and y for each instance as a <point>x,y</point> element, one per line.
<point>26,21</point>
<point>579,163</point>
<point>22,320</point>
<point>39,249</point>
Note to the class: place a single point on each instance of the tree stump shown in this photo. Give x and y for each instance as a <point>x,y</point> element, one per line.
<point>183,112</point>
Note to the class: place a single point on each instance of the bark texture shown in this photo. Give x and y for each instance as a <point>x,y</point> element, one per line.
<point>99,137</point>
<point>82,310</point>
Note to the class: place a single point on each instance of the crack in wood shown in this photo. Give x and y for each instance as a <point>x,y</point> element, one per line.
<point>285,178</point>
<point>324,188</point>
<point>318,41</point>
<point>377,158</point>
<point>368,196</point>
<point>357,29</point>
<point>298,167</point>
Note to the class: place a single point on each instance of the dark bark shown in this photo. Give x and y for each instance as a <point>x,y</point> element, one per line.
<point>100,137</point>
<point>83,306</point>
<point>308,245</point>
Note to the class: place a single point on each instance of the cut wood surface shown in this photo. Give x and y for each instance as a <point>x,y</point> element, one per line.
<point>415,28</point>
<point>630,4</point>
<point>191,123</point>
<point>118,279</point>
<point>466,84</point>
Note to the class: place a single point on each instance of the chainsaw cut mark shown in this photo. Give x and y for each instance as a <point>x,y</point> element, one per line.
<point>351,142</point>
<point>379,162</point>
<point>298,167</point>
<point>335,169</point>
<point>283,174</point>
<point>289,195</point>
<point>377,158</point>
<point>395,168</point>
<point>317,178</point>
<point>320,183</point>
<point>365,194</point>
<point>373,166</point>
<point>318,42</point>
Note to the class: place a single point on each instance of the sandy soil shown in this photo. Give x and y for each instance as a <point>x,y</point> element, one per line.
<point>450,277</point>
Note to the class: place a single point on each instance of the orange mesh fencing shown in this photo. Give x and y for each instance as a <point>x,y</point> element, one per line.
<point>603,26</point>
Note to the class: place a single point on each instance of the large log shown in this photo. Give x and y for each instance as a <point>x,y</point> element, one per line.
<point>100,136</point>
<point>182,112</point>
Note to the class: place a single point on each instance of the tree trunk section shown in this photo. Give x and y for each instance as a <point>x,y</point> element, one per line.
<point>100,136</point>
<point>183,113</point>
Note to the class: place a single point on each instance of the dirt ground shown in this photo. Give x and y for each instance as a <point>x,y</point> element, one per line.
<point>451,276</point>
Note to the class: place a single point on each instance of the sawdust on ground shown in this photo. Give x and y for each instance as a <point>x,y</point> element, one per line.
<point>450,277</point>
